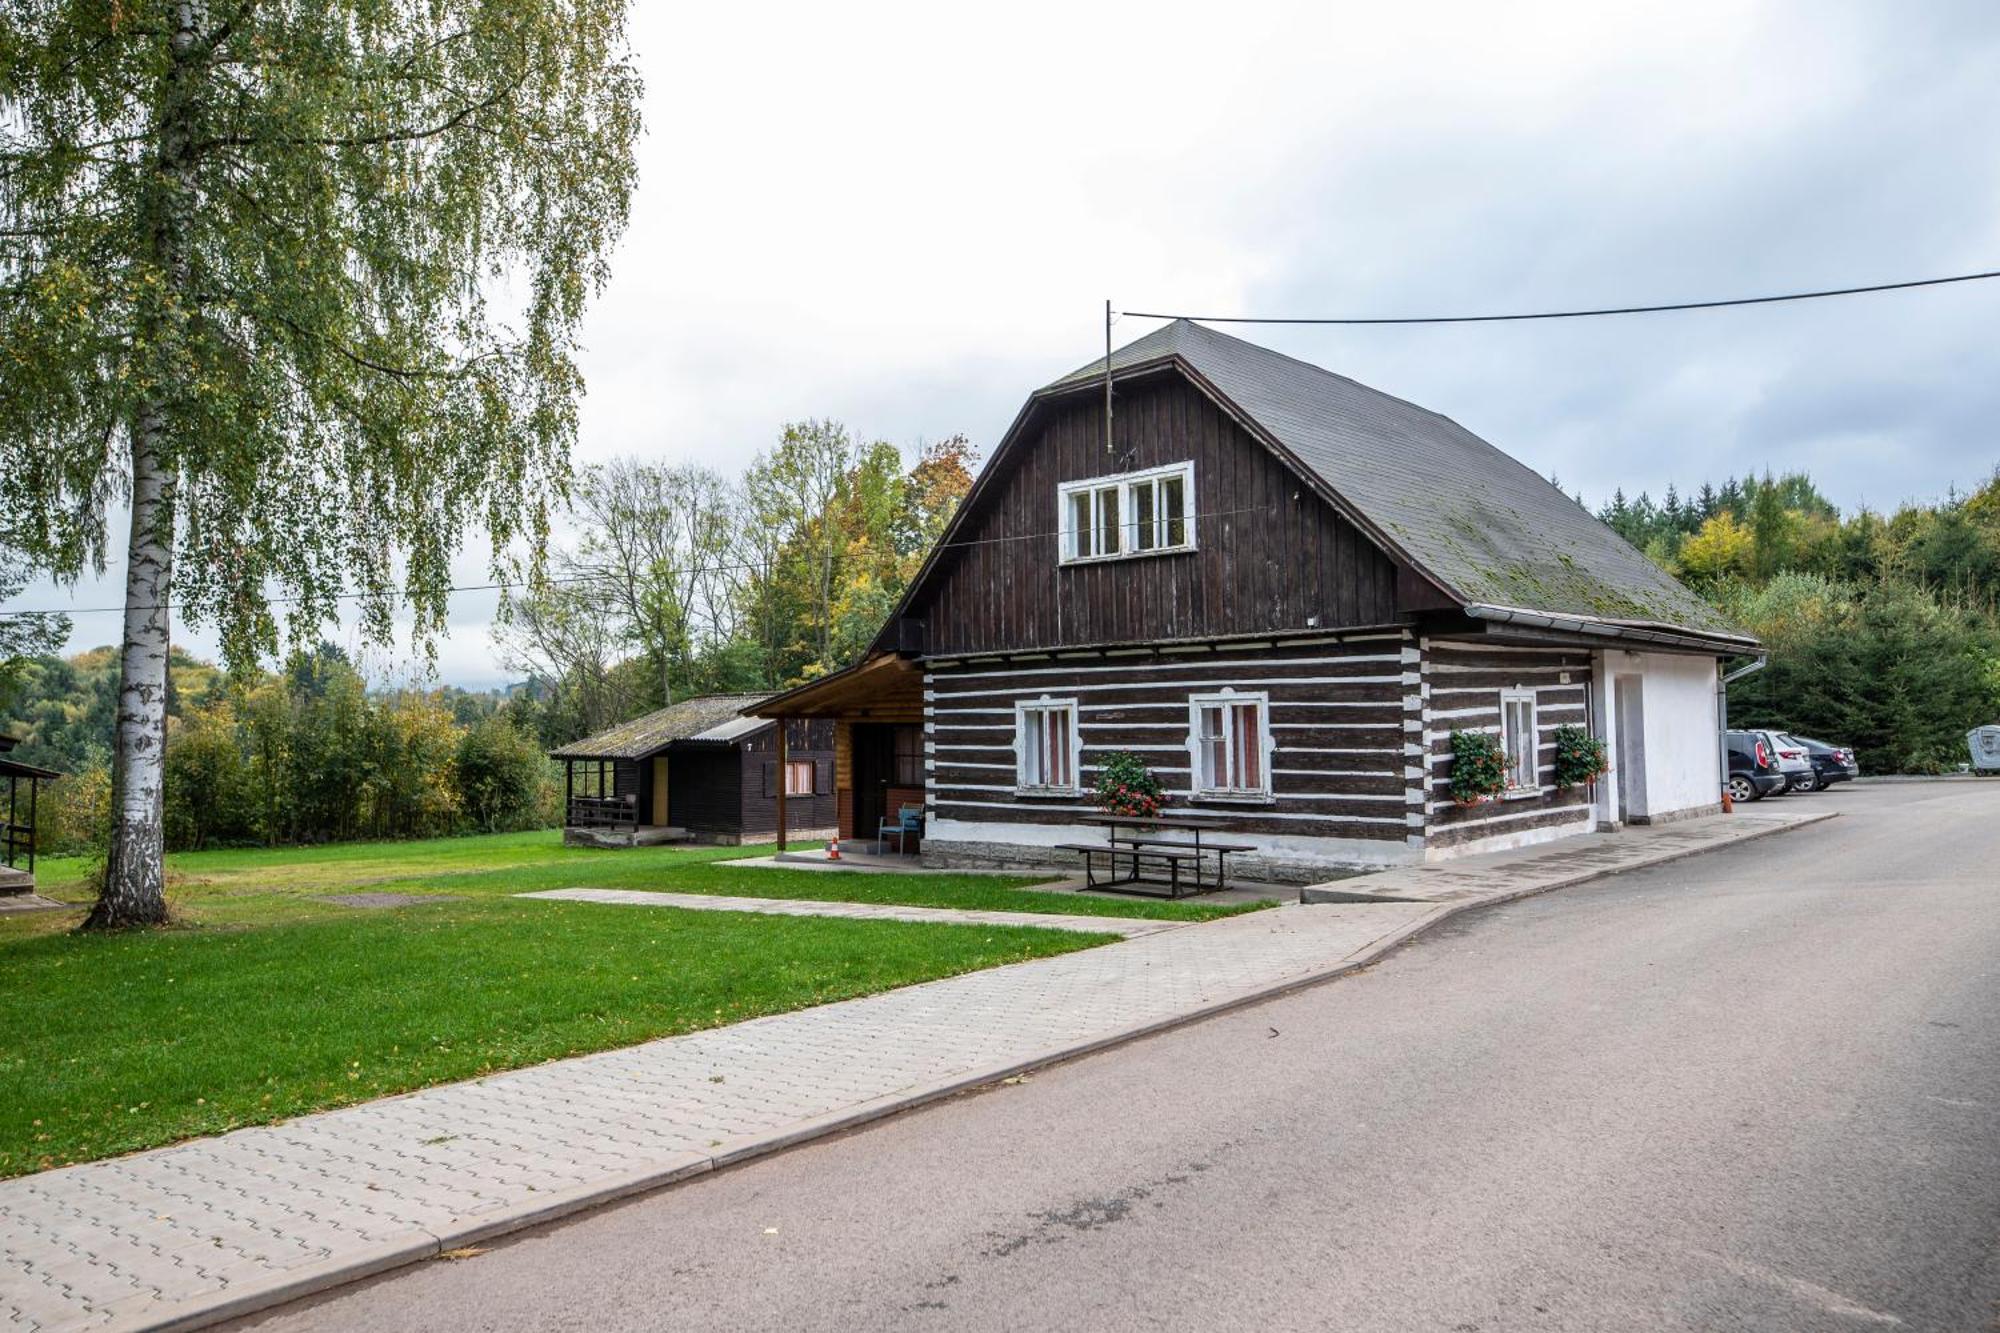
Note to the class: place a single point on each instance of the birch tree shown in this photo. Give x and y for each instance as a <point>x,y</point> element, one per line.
<point>295,284</point>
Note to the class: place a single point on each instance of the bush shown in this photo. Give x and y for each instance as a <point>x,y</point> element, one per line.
<point>73,813</point>
<point>1478,767</point>
<point>502,777</point>
<point>1125,786</point>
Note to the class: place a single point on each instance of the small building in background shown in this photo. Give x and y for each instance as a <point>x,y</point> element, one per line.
<point>697,771</point>
<point>17,834</point>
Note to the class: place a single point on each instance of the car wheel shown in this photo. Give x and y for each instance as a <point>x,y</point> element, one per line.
<point>1822,784</point>
<point>1743,789</point>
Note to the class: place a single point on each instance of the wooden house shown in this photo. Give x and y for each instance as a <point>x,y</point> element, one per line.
<point>1284,591</point>
<point>699,771</point>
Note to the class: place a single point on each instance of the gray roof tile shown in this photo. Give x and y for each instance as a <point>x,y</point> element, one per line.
<point>1478,521</point>
<point>706,717</point>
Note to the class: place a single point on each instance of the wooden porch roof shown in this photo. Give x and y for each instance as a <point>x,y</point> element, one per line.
<point>883,686</point>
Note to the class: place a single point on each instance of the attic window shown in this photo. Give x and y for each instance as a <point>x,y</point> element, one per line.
<point>1133,513</point>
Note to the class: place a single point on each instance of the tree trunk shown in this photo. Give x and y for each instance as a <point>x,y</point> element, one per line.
<point>134,892</point>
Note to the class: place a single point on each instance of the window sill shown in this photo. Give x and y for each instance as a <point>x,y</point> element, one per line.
<point>1520,793</point>
<point>1065,792</point>
<point>1069,560</point>
<point>1232,798</point>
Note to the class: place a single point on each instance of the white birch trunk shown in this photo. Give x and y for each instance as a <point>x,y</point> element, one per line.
<point>134,890</point>
<point>135,875</point>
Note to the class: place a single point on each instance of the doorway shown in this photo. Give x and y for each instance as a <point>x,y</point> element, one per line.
<point>660,790</point>
<point>1631,711</point>
<point>873,758</point>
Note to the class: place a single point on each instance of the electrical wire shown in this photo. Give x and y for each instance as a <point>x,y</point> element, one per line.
<point>1579,314</point>
<point>743,567</point>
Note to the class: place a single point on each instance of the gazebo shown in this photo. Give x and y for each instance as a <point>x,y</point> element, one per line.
<point>17,834</point>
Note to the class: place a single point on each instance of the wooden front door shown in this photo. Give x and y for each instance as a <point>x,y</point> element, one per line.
<point>874,764</point>
<point>659,790</point>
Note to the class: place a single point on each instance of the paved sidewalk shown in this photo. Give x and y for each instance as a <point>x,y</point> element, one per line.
<point>1497,876</point>
<point>192,1234</point>
<point>1127,926</point>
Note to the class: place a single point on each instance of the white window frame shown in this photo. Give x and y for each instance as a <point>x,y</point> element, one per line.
<point>1028,713</point>
<point>1532,758</point>
<point>1229,699</point>
<point>1073,549</point>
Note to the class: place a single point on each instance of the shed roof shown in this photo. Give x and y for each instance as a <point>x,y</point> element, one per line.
<point>706,717</point>
<point>15,768</point>
<point>1483,525</point>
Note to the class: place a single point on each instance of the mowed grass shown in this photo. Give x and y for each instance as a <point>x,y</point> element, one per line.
<point>110,1044</point>
<point>257,884</point>
<point>266,1001</point>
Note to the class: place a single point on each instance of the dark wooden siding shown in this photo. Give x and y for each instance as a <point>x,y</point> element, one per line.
<point>808,739</point>
<point>1270,556</point>
<point>703,782</point>
<point>1463,682</point>
<point>1336,712</point>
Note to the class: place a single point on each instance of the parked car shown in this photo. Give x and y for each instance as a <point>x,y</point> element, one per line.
<point>1753,767</point>
<point>1794,761</point>
<point>1831,763</point>
<point>1984,742</point>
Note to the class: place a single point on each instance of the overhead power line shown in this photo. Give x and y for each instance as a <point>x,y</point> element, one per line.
<point>1576,314</point>
<point>734,567</point>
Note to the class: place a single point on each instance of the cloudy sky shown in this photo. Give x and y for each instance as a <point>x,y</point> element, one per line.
<point>907,217</point>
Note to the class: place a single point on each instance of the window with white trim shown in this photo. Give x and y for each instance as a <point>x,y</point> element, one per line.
<point>1045,745</point>
<point>1520,741</point>
<point>1230,742</point>
<point>1134,513</point>
<point>798,777</point>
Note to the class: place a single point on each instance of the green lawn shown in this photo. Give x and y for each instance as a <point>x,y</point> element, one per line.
<point>114,1044</point>
<point>240,886</point>
<point>265,1001</point>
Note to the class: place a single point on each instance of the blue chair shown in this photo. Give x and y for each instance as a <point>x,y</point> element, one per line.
<point>908,824</point>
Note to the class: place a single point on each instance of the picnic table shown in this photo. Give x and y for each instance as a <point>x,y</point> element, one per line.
<point>1149,850</point>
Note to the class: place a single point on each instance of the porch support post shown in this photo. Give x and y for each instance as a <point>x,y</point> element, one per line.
<point>569,789</point>
<point>34,790</point>
<point>784,725</point>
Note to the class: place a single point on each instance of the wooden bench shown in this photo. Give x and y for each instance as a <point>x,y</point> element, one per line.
<point>1222,852</point>
<point>1170,858</point>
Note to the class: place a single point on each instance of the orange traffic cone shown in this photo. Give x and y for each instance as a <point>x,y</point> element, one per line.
<point>833,849</point>
<point>1728,804</point>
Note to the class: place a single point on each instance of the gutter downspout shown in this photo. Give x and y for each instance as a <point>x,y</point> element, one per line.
<point>1722,710</point>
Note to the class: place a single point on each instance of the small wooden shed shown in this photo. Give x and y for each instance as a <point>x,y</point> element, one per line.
<point>698,771</point>
<point>17,828</point>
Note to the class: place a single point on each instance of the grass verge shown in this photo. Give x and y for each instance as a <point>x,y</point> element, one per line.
<point>111,1044</point>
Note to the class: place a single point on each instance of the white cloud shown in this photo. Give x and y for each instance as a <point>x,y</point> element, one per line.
<point>907,216</point>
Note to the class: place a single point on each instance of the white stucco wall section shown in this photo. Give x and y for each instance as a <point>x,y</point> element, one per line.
<point>1678,749</point>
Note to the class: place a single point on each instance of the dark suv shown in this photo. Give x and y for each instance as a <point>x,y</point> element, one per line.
<point>1753,768</point>
<point>1831,763</point>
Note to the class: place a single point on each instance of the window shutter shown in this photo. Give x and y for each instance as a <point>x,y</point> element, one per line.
<point>822,776</point>
<point>770,778</point>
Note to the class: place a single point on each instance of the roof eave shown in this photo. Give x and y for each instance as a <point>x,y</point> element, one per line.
<point>1679,636</point>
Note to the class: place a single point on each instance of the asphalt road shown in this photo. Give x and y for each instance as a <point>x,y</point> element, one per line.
<point>1759,1089</point>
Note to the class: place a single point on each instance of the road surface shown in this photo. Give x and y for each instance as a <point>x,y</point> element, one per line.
<point>1758,1090</point>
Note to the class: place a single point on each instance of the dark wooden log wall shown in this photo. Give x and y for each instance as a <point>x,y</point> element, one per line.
<point>1463,683</point>
<point>808,739</point>
<point>1337,716</point>
<point>704,789</point>
<point>1270,555</point>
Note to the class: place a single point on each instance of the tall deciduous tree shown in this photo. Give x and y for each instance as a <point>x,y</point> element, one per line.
<point>299,281</point>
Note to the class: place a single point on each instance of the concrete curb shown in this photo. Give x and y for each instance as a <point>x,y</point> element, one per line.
<point>297,1285</point>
